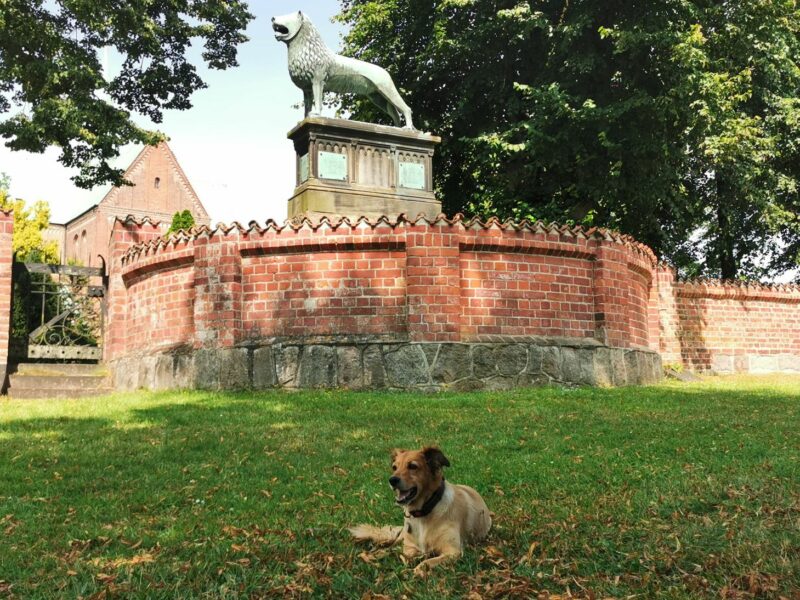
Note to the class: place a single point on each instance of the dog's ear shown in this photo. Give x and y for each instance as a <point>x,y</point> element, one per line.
<point>435,458</point>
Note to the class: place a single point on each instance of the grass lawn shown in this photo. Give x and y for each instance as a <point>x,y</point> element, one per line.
<point>670,491</point>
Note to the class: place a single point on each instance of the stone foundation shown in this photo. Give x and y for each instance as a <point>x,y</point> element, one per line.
<point>726,364</point>
<point>422,366</point>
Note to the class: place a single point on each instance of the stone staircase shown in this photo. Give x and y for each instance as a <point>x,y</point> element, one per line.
<point>53,380</point>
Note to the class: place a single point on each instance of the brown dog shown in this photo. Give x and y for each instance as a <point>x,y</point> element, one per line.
<point>440,517</point>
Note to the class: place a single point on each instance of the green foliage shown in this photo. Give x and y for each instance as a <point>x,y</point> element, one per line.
<point>29,223</point>
<point>670,491</point>
<point>51,72</point>
<point>677,122</point>
<point>181,221</point>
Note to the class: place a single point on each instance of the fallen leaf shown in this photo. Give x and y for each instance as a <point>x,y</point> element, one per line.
<point>529,554</point>
<point>372,596</point>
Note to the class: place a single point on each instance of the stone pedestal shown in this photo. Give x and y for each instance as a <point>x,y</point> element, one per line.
<point>353,169</point>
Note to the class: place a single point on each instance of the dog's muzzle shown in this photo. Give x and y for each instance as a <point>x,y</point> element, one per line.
<point>402,496</point>
<point>405,496</point>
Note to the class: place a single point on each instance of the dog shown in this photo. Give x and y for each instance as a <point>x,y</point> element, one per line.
<point>440,517</point>
<point>314,68</point>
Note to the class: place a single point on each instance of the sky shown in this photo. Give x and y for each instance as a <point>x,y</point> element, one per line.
<point>232,144</point>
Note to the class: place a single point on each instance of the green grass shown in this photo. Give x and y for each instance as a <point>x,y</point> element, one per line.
<point>669,491</point>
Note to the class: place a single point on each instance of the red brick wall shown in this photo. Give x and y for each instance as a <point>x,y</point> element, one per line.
<point>729,327</point>
<point>506,293</point>
<point>638,300</point>
<point>124,235</point>
<point>441,281</point>
<point>324,293</point>
<point>433,279</point>
<point>160,308</point>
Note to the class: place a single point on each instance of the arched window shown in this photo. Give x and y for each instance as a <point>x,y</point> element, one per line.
<point>157,182</point>
<point>84,249</point>
<point>75,247</point>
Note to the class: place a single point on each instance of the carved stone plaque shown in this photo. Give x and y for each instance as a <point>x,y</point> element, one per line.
<point>412,176</point>
<point>332,166</point>
<point>303,168</point>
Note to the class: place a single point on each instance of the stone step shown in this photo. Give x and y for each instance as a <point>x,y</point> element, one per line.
<point>53,380</point>
<point>61,369</point>
<point>38,394</point>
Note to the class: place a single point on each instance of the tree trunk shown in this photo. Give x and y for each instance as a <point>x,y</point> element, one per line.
<point>726,256</point>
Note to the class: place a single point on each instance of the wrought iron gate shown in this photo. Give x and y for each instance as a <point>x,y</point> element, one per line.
<point>63,310</point>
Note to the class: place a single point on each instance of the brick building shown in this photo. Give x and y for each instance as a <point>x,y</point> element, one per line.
<point>160,189</point>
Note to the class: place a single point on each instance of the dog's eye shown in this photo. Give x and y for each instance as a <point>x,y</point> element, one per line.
<point>394,467</point>
<point>413,466</point>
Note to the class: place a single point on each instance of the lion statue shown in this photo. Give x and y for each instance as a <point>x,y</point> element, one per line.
<point>314,69</point>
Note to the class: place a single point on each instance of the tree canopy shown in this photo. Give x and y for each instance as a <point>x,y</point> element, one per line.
<point>53,90</point>
<point>677,121</point>
<point>181,221</point>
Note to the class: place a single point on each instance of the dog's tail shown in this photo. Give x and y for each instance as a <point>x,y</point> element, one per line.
<point>385,536</point>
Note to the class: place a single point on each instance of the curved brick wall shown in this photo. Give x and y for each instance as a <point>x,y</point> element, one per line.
<point>442,281</point>
<point>351,286</point>
<point>450,300</point>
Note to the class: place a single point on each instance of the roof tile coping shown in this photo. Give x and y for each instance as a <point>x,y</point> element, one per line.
<point>697,284</point>
<point>402,220</point>
<point>736,287</point>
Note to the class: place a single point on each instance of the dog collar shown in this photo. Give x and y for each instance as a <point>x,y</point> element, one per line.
<point>430,503</point>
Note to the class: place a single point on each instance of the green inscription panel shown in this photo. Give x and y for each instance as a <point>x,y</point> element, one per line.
<point>332,166</point>
<point>303,166</point>
<point>412,176</point>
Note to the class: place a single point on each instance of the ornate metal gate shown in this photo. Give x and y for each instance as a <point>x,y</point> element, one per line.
<point>63,310</point>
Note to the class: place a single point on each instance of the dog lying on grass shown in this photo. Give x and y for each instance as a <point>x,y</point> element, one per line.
<point>440,517</point>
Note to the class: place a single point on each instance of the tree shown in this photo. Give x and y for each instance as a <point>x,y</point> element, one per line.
<point>657,119</point>
<point>28,243</point>
<point>181,221</point>
<point>740,79</point>
<point>50,71</point>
